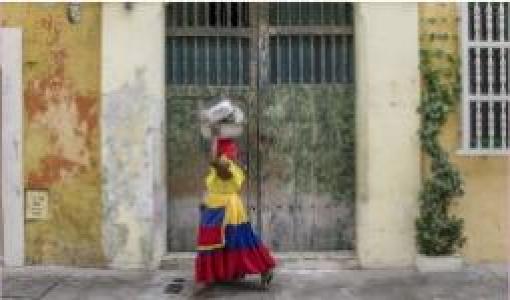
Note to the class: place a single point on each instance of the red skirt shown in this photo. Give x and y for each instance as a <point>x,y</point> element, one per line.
<point>243,253</point>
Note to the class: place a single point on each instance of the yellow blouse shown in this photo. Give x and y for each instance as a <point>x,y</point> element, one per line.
<point>216,185</point>
<point>225,193</point>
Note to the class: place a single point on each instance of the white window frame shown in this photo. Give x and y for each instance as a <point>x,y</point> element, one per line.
<point>465,45</point>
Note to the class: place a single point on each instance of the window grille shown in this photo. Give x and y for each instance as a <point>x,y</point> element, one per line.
<point>215,14</point>
<point>310,43</point>
<point>486,81</point>
<point>208,43</point>
<point>311,59</point>
<point>309,13</point>
<point>211,43</point>
<point>208,60</point>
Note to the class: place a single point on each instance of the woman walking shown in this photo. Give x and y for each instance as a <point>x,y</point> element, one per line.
<point>228,248</point>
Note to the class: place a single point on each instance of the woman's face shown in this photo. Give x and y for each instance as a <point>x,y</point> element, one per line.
<point>223,157</point>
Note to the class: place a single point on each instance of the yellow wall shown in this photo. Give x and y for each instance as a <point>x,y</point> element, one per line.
<point>484,206</point>
<point>61,83</point>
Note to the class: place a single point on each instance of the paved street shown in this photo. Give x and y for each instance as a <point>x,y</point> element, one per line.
<point>53,283</point>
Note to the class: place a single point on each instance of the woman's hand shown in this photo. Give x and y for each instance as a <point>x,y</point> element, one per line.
<point>222,168</point>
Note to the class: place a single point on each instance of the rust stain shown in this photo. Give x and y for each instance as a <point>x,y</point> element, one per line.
<point>53,28</point>
<point>87,110</point>
<point>34,99</point>
<point>40,95</point>
<point>50,90</point>
<point>59,58</point>
<point>52,170</point>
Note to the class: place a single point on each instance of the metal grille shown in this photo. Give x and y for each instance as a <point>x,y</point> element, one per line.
<point>216,14</point>
<point>311,43</point>
<point>208,44</point>
<point>309,13</point>
<point>486,82</point>
<point>213,60</point>
<point>311,59</point>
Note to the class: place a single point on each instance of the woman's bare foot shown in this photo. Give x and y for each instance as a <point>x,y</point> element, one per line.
<point>266,278</point>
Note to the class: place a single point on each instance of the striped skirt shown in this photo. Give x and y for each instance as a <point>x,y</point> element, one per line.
<point>228,248</point>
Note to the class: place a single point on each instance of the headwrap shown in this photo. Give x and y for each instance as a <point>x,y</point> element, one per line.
<point>227,147</point>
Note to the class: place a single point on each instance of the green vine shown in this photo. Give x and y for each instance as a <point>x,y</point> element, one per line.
<point>438,232</point>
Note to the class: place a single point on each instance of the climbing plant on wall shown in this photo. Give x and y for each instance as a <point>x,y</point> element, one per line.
<point>437,231</point>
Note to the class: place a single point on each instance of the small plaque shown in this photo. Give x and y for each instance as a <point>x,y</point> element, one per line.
<point>36,204</point>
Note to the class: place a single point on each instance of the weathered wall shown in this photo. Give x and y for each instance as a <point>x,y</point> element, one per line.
<point>63,74</point>
<point>61,81</point>
<point>133,108</point>
<point>388,164</point>
<point>484,206</point>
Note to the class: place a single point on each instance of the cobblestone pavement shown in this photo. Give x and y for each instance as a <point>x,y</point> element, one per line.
<point>55,283</point>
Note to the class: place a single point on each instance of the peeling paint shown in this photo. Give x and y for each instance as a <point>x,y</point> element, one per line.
<point>60,130</point>
<point>128,210</point>
<point>132,119</point>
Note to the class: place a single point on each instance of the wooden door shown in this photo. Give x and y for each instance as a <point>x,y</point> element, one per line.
<point>306,126</point>
<point>211,52</point>
<point>188,163</point>
<point>307,168</point>
<point>297,88</point>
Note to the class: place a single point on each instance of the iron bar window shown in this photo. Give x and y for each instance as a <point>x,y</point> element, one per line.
<point>311,43</point>
<point>486,83</point>
<point>208,43</point>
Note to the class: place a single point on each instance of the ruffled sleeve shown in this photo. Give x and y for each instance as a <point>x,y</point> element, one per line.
<point>209,180</point>
<point>215,184</point>
<point>237,175</point>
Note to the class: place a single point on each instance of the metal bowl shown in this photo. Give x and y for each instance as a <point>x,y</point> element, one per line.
<point>226,130</point>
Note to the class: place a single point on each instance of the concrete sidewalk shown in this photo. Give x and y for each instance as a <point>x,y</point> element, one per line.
<point>56,283</point>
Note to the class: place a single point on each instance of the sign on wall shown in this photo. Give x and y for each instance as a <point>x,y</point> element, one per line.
<point>36,204</point>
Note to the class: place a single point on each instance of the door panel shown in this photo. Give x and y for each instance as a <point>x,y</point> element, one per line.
<point>307,167</point>
<point>188,164</point>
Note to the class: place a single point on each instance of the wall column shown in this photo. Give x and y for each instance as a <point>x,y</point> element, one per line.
<point>11,172</point>
<point>388,149</point>
<point>133,108</point>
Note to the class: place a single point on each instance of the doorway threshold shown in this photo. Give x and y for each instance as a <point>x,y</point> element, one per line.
<point>309,260</point>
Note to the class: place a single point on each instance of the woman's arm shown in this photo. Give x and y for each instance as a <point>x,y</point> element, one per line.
<point>215,130</point>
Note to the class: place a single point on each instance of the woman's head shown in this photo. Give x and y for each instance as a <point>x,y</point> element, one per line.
<point>226,147</point>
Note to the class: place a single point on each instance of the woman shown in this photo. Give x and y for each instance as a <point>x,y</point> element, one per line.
<point>228,249</point>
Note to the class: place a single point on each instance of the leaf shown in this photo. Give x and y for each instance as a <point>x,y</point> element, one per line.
<point>438,233</point>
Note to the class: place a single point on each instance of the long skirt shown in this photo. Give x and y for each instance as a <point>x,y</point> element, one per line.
<point>228,248</point>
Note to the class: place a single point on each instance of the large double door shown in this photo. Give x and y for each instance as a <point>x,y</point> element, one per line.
<point>289,66</point>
